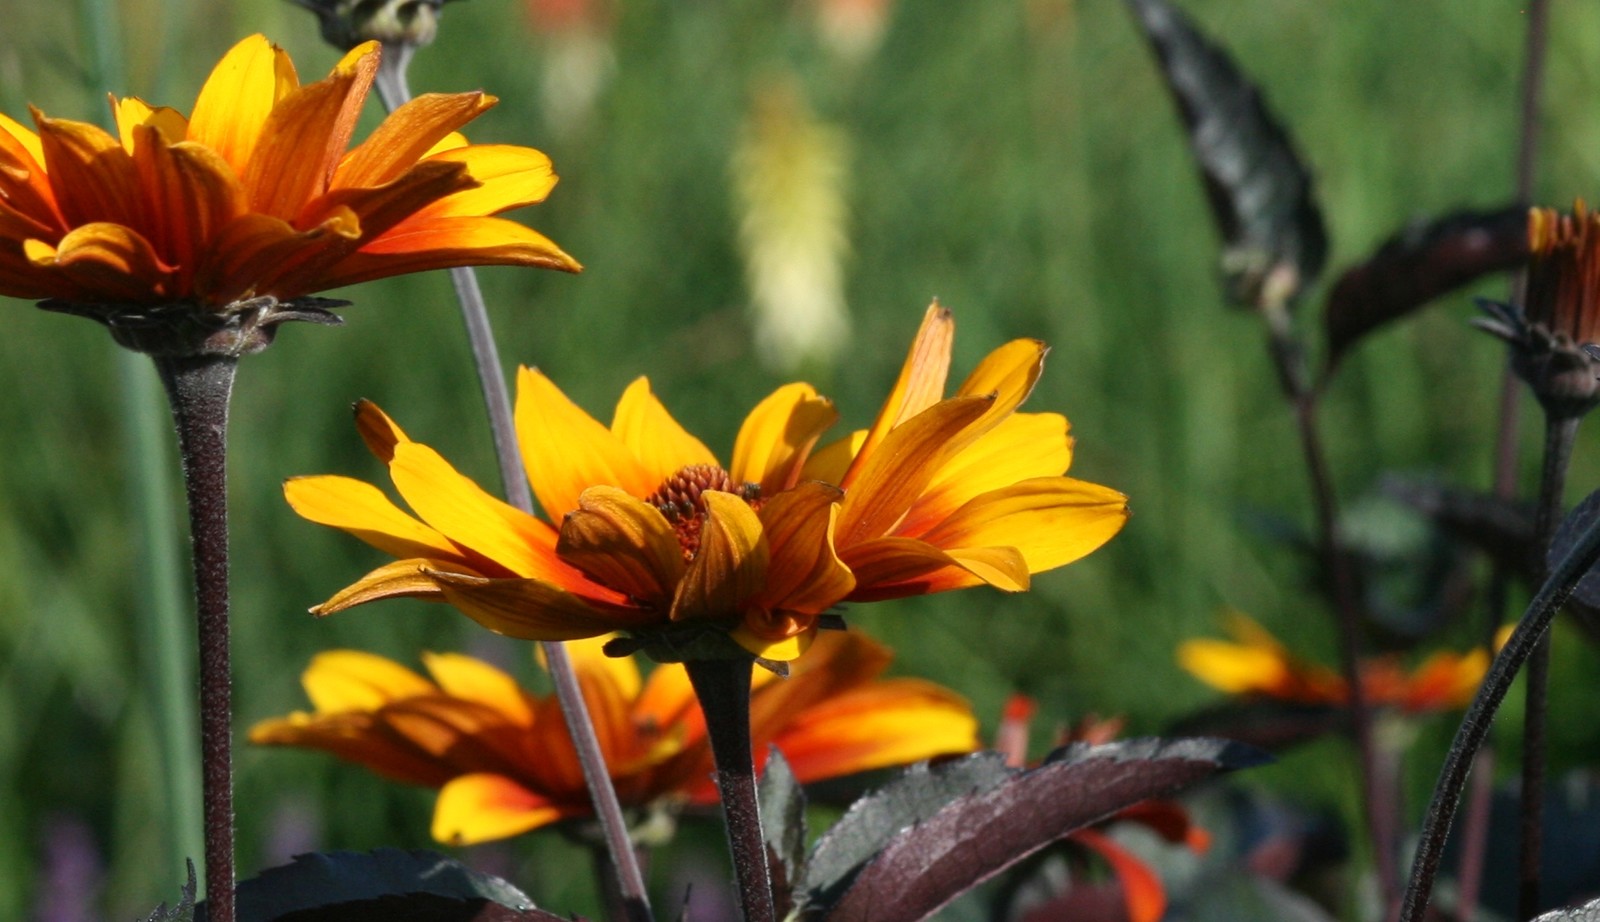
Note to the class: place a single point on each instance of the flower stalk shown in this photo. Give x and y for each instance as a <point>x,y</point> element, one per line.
<point>723,687</point>
<point>199,387</point>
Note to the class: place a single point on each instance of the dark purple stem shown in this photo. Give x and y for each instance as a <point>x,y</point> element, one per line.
<point>723,687</point>
<point>198,388</point>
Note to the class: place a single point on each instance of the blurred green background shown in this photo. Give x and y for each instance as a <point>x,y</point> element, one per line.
<point>1018,160</point>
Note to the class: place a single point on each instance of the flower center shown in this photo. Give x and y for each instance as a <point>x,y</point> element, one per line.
<point>681,499</point>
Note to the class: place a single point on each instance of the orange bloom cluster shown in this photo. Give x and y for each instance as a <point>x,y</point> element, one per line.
<point>505,764</point>
<point>255,194</point>
<point>1255,663</point>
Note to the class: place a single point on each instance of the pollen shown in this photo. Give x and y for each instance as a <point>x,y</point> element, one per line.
<point>681,499</point>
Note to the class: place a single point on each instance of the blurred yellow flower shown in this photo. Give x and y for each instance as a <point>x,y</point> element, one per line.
<point>1255,663</point>
<point>255,193</point>
<point>948,493</point>
<point>504,762</point>
<point>653,535</point>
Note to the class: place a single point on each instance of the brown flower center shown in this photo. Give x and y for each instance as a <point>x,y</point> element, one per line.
<point>681,499</point>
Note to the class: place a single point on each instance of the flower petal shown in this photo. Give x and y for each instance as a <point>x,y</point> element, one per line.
<point>257,254</point>
<point>566,451</point>
<point>778,435</point>
<point>103,263</point>
<point>830,462</point>
<point>351,680</point>
<point>192,189</point>
<point>609,685</point>
<point>920,386</point>
<point>662,446</point>
<point>891,568</point>
<point>731,566</point>
<point>879,725</point>
<point>508,176</point>
<point>1021,447</point>
<point>1052,521</point>
<point>24,184</point>
<point>775,635</point>
<point>133,113</point>
<point>403,579</point>
<point>380,432</point>
<point>446,243</point>
<point>483,807</point>
<point>530,609</point>
<point>354,737</point>
<point>805,573</point>
<point>362,510</point>
<point>239,96</point>
<point>1142,894</point>
<point>406,135</point>
<point>622,543</point>
<point>92,177</point>
<point>472,679</point>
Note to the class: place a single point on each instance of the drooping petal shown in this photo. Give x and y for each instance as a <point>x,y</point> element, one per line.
<point>472,679</point>
<point>406,135</point>
<point>778,435</point>
<point>805,573</point>
<point>528,608</point>
<point>731,566</point>
<point>354,737</point>
<point>362,510</point>
<point>1023,446</point>
<point>351,680</point>
<point>483,807</point>
<point>508,176</point>
<point>920,386</point>
<point>622,543</point>
<point>566,451</point>
<point>446,243</point>
<point>886,723</point>
<point>1052,521</point>
<point>239,96</point>
<point>661,445</point>
<point>403,579</point>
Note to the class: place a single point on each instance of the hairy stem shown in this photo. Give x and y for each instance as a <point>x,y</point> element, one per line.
<point>199,388</point>
<point>1480,715</point>
<point>392,87</point>
<point>723,687</point>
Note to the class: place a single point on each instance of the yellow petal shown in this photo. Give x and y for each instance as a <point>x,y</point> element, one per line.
<point>472,679</point>
<point>1008,372</point>
<point>1021,447</point>
<point>406,135</point>
<point>529,609</point>
<point>566,451</point>
<point>354,737</point>
<point>238,97</point>
<point>731,566</point>
<point>778,435</point>
<point>482,808</point>
<point>588,657</point>
<point>662,446</point>
<point>105,263</point>
<point>668,701</point>
<point>1234,668</point>
<point>508,177</point>
<point>805,573</point>
<point>890,568</point>
<point>1052,521</point>
<point>351,680</point>
<point>362,510</point>
<point>609,685</point>
<point>829,463</point>
<point>24,137</point>
<point>624,544</point>
<point>378,431</point>
<point>133,112</point>
<point>880,725</point>
<point>403,579</point>
<point>428,243</point>
<point>783,650</point>
<point>921,382</point>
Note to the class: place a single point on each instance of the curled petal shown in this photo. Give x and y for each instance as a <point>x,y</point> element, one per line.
<point>622,543</point>
<point>362,510</point>
<point>654,437</point>
<point>566,451</point>
<point>103,261</point>
<point>778,435</point>
<point>380,432</point>
<point>403,579</point>
<point>484,807</point>
<point>731,566</point>
<point>133,113</point>
<point>530,609</point>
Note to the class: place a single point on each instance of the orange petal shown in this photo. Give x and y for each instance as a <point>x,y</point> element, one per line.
<point>829,463</point>
<point>566,451</point>
<point>805,574</point>
<point>668,701</point>
<point>1021,447</point>
<point>192,190</point>
<point>354,737</point>
<point>19,135</point>
<point>920,386</point>
<point>257,254</point>
<point>472,679</point>
<point>362,510</point>
<point>902,466</point>
<point>778,435</point>
<point>609,685</point>
<point>891,568</point>
<point>24,185</point>
<point>508,176</point>
<point>1008,373</point>
<point>381,209</point>
<point>238,97</point>
<point>662,446</point>
<point>483,807</point>
<point>104,263</point>
<point>877,726</point>
<point>380,432</point>
<point>530,609</point>
<point>352,680</point>
<point>1052,521</point>
<point>134,113</point>
<point>406,135</point>
<point>731,566</point>
<point>93,178</point>
<point>1142,893</point>
<point>624,544</point>
<point>403,579</point>
<point>446,243</point>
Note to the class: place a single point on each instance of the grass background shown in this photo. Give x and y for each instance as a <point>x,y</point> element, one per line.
<point>1018,160</point>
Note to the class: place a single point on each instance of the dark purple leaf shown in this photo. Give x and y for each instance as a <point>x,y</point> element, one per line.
<point>1501,528</point>
<point>1274,243</point>
<point>1425,260</point>
<point>979,834</point>
<point>1588,912</point>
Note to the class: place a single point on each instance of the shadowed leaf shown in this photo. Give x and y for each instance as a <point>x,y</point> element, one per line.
<point>1425,260</point>
<point>1262,722</point>
<point>184,911</point>
<point>1274,242</point>
<point>1588,912</point>
<point>783,826</point>
<point>1501,528</point>
<point>977,834</point>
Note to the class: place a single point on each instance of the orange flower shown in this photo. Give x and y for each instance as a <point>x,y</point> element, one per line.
<point>504,762</point>
<point>255,194</point>
<point>948,493</point>
<point>1256,664</point>
<point>655,538</point>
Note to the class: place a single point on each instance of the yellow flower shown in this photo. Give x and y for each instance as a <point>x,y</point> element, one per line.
<point>653,535</point>
<point>1255,663</point>
<point>504,762</point>
<point>255,194</point>
<point>947,493</point>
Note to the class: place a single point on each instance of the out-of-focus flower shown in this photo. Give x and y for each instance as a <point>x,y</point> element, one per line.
<point>1144,897</point>
<point>1560,313</point>
<point>646,533</point>
<point>852,29</point>
<point>948,493</point>
<point>505,764</point>
<point>1255,663</point>
<point>348,23</point>
<point>253,201</point>
<point>576,57</point>
<point>789,172</point>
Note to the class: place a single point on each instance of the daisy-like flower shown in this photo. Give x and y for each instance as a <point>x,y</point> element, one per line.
<point>224,218</point>
<point>1254,663</point>
<point>948,493</point>
<point>647,532</point>
<point>505,765</point>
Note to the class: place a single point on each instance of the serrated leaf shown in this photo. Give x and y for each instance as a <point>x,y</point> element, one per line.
<point>1421,262</point>
<point>1588,912</point>
<point>1260,192</point>
<point>185,910</point>
<point>917,794</point>
<point>324,879</point>
<point>977,835</point>
<point>783,825</point>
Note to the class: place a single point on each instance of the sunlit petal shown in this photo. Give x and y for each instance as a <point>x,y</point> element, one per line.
<point>93,178</point>
<point>472,679</point>
<point>1052,521</point>
<point>508,177</point>
<point>731,566</point>
<point>238,97</point>
<point>105,258</point>
<point>653,436</point>
<point>446,243</point>
<point>406,135</point>
<point>875,726</point>
<point>1023,446</point>
<point>622,543</point>
<point>351,680</point>
<point>362,510</point>
<point>920,386</point>
<point>527,608</point>
<point>566,451</point>
<point>483,807</point>
<point>805,573</point>
<point>778,435</point>
<point>402,579</point>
